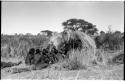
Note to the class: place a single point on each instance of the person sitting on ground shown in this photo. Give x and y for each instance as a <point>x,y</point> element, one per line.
<point>30,56</point>
<point>37,57</point>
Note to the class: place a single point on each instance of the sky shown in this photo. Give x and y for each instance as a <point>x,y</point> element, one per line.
<point>33,17</point>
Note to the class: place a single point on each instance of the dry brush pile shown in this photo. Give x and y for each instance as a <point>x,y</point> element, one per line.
<point>78,47</point>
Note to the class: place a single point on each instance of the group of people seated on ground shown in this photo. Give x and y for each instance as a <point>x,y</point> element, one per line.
<point>47,55</point>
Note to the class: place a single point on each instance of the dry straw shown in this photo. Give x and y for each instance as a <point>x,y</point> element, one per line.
<point>87,51</point>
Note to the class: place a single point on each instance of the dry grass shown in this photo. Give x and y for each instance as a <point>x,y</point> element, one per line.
<point>19,45</point>
<point>91,73</point>
<point>77,66</point>
<point>81,48</point>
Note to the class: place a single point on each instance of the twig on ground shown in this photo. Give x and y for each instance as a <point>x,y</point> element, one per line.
<point>77,75</point>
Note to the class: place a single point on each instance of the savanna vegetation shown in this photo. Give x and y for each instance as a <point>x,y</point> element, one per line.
<point>74,48</point>
<point>19,45</point>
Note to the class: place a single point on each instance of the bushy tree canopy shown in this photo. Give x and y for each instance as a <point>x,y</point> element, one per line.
<point>80,24</point>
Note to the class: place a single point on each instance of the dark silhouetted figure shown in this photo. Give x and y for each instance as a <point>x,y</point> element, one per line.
<point>30,57</point>
<point>37,57</point>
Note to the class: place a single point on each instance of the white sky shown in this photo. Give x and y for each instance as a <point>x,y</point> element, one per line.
<point>33,17</point>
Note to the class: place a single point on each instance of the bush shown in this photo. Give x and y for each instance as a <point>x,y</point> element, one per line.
<point>77,60</point>
<point>110,41</point>
<point>74,64</point>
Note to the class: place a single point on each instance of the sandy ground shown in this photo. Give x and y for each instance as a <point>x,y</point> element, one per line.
<point>99,72</point>
<point>115,72</point>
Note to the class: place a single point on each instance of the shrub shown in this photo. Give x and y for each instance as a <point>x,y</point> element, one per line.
<point>110,41</point>
<point>76,61</point>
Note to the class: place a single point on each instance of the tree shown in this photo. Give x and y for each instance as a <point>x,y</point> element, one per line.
<point>81,25</point>
<point>47,32</point>
<point>28,34</point>
<point>102,32</point>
